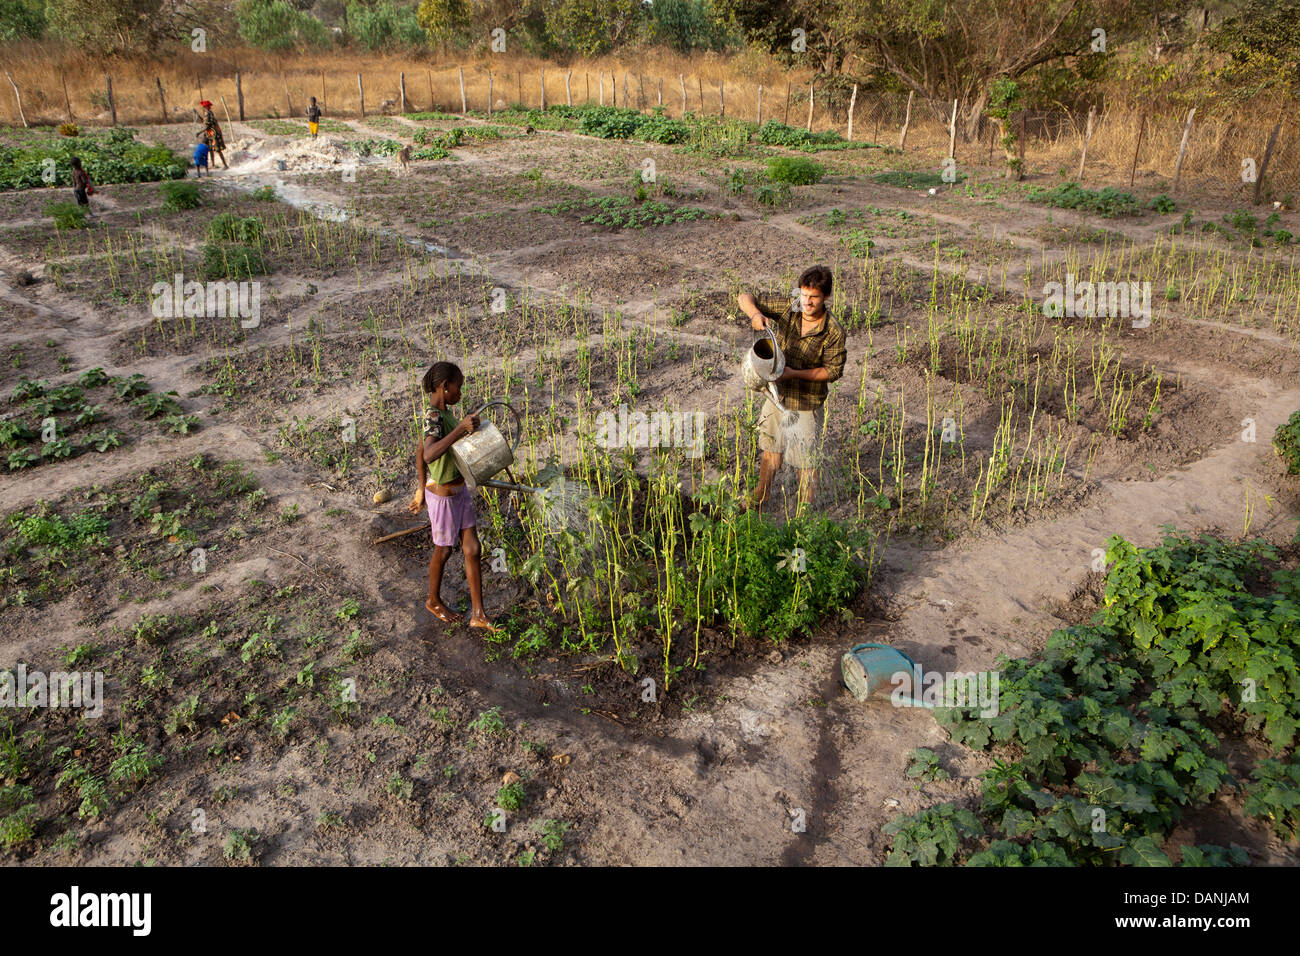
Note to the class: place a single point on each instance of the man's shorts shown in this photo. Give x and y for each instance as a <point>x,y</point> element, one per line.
<point>312,127</point>
<point>449,516</point>
<point>800,442</point>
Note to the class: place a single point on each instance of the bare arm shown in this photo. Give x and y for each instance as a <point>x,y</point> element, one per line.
<point>749,305</point>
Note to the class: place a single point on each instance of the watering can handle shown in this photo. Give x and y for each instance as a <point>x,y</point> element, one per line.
<point>519,427</point>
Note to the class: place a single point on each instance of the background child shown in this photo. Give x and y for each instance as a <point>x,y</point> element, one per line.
<point>442,488</point>
<point>82,188</point>
<point>313,118</point>
<point>201,156</point>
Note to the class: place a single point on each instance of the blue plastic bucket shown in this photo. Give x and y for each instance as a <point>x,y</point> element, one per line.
<point>868,669</point>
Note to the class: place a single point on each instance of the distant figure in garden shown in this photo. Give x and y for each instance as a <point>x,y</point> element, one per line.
<point>212,133</point>
<point>201,156</point>
<point>443,491</point>
<point>814,345</point>
<point>82,187</point>
<point>313,118</point>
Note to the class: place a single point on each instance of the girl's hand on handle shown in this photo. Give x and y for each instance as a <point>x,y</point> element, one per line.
<point>468,425</point>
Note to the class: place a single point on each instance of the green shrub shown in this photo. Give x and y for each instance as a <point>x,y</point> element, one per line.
<point>1107,742</point>
<point>788,577</point>
<point>1286,442</point>
<point>1162,203</point>
<point>227,227</point>
<point>180,194</point>
<point>66,215</point>
<point>231,261</point>
<point>112,157</point>
<point>1108,202</point>
<point>795,170</point>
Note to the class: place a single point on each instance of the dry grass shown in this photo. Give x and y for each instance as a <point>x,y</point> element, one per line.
<point>277,85</point>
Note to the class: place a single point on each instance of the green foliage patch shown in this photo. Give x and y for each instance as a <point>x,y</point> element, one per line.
<point>1105,744</point>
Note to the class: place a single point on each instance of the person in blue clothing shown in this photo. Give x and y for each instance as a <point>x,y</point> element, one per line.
<point>201,151</point>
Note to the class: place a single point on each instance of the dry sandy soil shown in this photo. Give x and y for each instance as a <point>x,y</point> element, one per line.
<point>715,773</point>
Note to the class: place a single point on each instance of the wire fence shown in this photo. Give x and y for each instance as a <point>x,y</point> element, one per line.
<point>1225,158</point>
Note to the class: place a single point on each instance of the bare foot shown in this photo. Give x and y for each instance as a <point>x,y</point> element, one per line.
<point>484,623</point>
<point>441,613</point>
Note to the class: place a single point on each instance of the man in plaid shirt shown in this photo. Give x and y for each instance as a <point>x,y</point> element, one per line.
<point>814,346</point>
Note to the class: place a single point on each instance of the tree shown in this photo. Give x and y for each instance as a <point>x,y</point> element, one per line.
<point>108,26</point>
<point>444,21</point>
<point>21,20</point>
<point>592,27</point>
<point>1262,44</point>
<point>957,49</point>
<point>384,25</point>
<point>277,25</point>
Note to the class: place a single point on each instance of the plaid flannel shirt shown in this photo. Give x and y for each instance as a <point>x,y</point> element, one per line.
<point>823,348</point>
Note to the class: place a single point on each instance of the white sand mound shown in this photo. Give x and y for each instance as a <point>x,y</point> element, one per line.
<point>304,155</point>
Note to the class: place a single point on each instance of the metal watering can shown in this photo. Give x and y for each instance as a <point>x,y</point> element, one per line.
<point>486,453</point>
<point>868,669</point>
<point>763,365</point>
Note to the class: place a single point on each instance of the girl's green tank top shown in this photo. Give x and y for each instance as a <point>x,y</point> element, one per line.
<point>439,424</point>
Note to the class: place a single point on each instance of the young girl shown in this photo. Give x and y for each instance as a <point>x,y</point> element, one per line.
<point>82,187</point>
<point>450,504</point>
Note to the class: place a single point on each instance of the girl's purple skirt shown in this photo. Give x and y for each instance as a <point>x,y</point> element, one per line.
<point>450,515</point>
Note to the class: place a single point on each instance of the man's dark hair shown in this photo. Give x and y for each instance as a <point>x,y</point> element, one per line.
<point>816,277</point>
<point>440,372</point>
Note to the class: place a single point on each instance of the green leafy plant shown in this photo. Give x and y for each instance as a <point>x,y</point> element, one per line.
<point>511,796</point>
<point>179,195</point>
<point>1286,442</point>
<point>489,722</point>
<point>795,170</point>
<point>66,215</point>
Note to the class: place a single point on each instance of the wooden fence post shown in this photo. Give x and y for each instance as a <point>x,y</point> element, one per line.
<point>429,74</point>
<point>239,94</point>
<point>519,87</point>
<point>1182,149</point>
<point>464,106</point>
<point>543,89</point>
<point>601,87</point>
<point>661,91</point>
<point>853,102</point>
<point>587,79</point>
<point>759,119</point>
<point>322,90</point>
<point>907,121</point>
<point>1268,154</point>
<point>1087,136</point>
<point>489,111</point>
<point>786,121</point>
<point>640,91</point>
<point>162,101</point>
<point>1023,114</point>
<point>361,91</point>
<point>952,132</point>
<point>627,98</point>
<point>722,97</point>
<point>699,83</point>
<point>568,91</point>
<point>18,96</point>
<point>68,102</point>
<point>810,105</point>
<point>401,85</point>
<point>112,104</point>
<point>1142,126</point>
<point>288,100</point>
